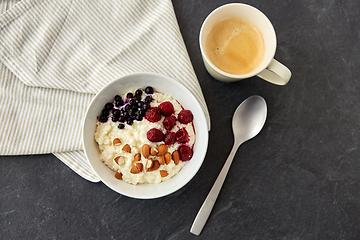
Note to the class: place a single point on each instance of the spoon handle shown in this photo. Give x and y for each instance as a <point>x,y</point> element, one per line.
<point>209,202</point>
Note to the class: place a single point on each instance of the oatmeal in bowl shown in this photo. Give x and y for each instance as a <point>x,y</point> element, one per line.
<point>145,135</point>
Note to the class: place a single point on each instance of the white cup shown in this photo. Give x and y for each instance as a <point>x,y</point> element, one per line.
<point>269,69</point>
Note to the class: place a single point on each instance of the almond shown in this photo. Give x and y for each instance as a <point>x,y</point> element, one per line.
<point>155,166</point>
<point>168,158</point>
<point>127,148</point>
<point>149,164</point>
<point>145,150</point>
<point>137,157</point>
<point>162,149</point>
<point>116,142</point>
<point>139,166</point>
<point>136,168</point>
<point>162,160</point>
<point>163,173</point>
<point>176,157</point>
<point>119,160</point>
<point>118,175</point>
<point>153,151</point>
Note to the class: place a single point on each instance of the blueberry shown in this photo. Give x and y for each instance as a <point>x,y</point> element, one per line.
<point>146,106</point>
<point>109,106</point>
<point>131,112</point>
<point>148,99</point>
<point>121,126</point>
<point>137,97</point>
<point>127,108</point>
<point>122,119</point>
<point>105,112</point>
<point>139,117</point>
<point>116,112</point>
<point>142,112</point>
<point>103,118</point>
<point>132,102</point>
<point>119,103</point>
<point>129,95</point>
<point>129,121</point>
<point>138,92</point>
<point>118,98</point>
<point>140,104</point>
<point>149,90</point>
<point>115,118</point>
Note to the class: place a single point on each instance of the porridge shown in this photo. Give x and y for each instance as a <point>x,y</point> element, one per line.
<point>145,136</point>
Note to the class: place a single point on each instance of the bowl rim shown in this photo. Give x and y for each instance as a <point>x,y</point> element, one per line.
<point>200,154</point>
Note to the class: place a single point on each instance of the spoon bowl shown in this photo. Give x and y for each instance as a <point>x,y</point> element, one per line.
<point>248,120</point>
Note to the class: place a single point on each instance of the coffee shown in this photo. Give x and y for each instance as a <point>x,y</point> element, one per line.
<point>235,46</point>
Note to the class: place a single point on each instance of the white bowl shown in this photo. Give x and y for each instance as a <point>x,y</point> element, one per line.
<point>163,84</point>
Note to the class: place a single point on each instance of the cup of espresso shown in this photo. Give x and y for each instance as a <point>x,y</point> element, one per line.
<point>238,41</point>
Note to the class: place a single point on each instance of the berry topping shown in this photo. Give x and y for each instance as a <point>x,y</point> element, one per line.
<point>169,122</point>
<point>182,135</point>
<point>142,112</point>
<point>103,118</point>
<point>109,106</point>
<point>117,98</point>
<point>121,126</point>
<point>137,97</point>
<point>149,90</point>
<point>116,112</point>
<point>166,108</point>
<point>131,112</point>
<point>122,119</point>
<point>185,116</point>
<point>148,99</point>
<point>105,112</point>
<point>132,102</point>
<point>119,103</point>
<point>146,106</point>
<point>115,118</point>
<point>129,121</point>
<point>138,92</point>
<point>140,104</point>
<point>170,138</point>
<point>153,114</point>
<point>155,135</point>
<point>185,153</point>
<point>138,118</point>
<point>129,95</point>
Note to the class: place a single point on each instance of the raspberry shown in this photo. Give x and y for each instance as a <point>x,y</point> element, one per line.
<point>153,114</point>
<point>185,153</point>
<point>170,138</point>
<point>169,122</point>
<point>166,108</point>
<point>155,135</point>
<point>182,135</point>
<point>185,116</point>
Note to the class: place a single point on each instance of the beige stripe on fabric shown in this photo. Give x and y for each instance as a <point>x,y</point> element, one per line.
<point>11,88</point>
<point>61,52</point>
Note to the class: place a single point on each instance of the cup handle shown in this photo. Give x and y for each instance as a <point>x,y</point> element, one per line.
<point>276,73</point>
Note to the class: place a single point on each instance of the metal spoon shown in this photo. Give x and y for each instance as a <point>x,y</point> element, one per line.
<point>248,120</point>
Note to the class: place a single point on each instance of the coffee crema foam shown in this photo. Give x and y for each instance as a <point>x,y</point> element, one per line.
<point>235,46</point>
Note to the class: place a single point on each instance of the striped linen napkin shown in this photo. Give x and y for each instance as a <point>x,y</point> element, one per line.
<point>56,54</point>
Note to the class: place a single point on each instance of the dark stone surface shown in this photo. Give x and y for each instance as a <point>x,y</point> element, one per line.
<point>298,179</point>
